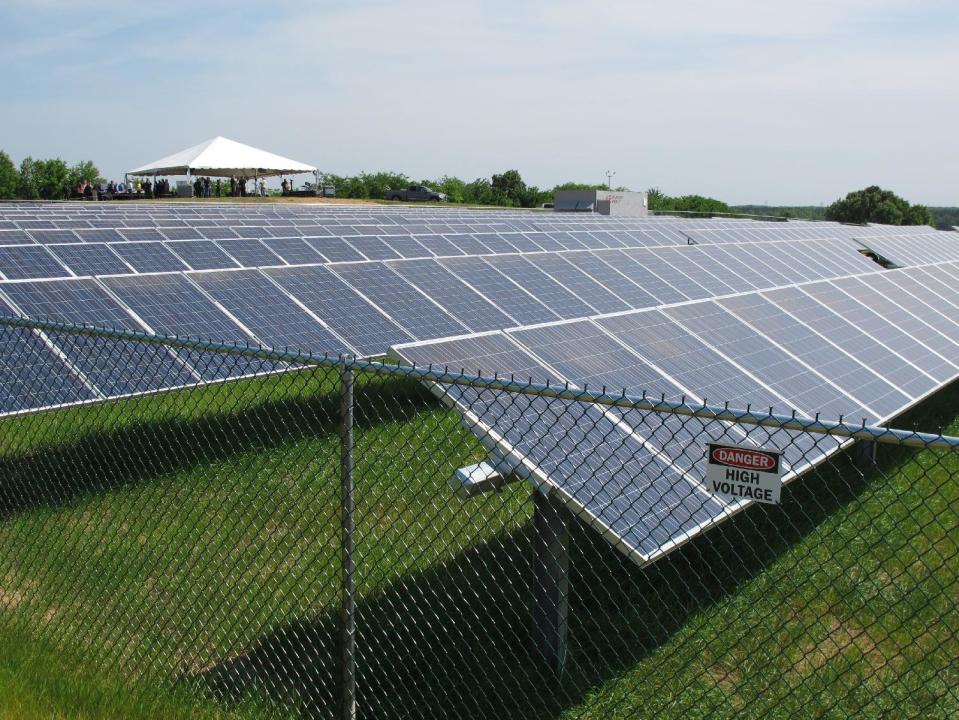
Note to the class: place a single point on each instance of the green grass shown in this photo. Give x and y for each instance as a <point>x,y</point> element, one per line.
<point>177,556</point>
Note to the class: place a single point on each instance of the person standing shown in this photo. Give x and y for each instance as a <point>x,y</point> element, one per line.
<point>218,186</point>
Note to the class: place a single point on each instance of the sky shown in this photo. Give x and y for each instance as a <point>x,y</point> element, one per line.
<point>786,103</point>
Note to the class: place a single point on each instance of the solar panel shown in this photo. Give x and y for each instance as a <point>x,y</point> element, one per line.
<point>921,357</point>
<point>250,253</point>
<point>268,311</point>
<point>112,367</point>
<point>513,299</point>
<point>350,316</point>
<point>148,257</point>
<point>417,314</point>
<point>181,233</point>
<point>373,248</point>
<point>202,255</point>
<point>547,290</point>
<point>294,251</point>
<point>821,320</point>
<point>815,351</point>
<point>171,305</point>
<point>54,236</point>
<point>469,307</point>
<point>99,235</point>
<point>142,235</point>
<point>19,262</point>
<point>90,259</point>
<point>800,387</point>
<point>583,286</point>
<point>31,375</point>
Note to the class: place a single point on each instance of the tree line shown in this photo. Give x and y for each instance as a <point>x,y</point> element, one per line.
<point>872,204</point>
<point>50,179</point>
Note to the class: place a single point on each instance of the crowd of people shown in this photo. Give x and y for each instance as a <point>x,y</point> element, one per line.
<point>203,187</point>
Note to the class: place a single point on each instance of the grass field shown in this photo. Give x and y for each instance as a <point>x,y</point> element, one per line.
<point>177,556</point>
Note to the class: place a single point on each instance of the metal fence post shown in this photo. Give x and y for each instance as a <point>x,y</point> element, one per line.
<point>551,522</point>
<point>347,565</point>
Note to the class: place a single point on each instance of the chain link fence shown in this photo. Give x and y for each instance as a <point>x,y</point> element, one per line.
<point>288,545</point>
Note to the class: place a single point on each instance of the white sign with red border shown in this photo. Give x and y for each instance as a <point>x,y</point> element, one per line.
<point>744,473</point>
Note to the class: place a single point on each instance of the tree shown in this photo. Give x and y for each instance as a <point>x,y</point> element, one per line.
<point>658,200</point>
<point>508,188</point>
<point>27,182</point>
<point>9,178</point>
<point>875,205</point>
<point>52,179</point>
<point>83,170</point>
<point>452,187</point>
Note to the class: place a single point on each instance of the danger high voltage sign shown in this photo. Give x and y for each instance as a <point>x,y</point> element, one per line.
<point>742,473</point>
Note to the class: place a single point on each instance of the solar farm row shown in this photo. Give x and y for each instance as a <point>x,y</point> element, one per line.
<point>35,261</point>
<point>905,250</point>
<point>865,347</point>
<point>363,308</point>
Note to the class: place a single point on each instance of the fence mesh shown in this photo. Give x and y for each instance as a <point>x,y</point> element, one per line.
<point>188,547</point>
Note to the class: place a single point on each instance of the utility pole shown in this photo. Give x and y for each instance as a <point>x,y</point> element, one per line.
<point>609,179</point>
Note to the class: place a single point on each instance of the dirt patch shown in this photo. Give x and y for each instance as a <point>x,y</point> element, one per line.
<point>843,638</point>
<point>10,599</point>
<point>724,677</point>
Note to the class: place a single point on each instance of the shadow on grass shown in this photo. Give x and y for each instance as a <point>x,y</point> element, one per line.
<point>455,641</point>
<point>159,438</point>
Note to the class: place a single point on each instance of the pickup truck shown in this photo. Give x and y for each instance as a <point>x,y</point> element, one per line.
<point>415,192</point>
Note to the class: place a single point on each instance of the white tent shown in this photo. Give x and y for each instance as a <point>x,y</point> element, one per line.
<point>221,157</point>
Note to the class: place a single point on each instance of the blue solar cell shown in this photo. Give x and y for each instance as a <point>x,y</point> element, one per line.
<point>508,296</point>
<point>181,233</point>
<point>609,277</point>
<point>31,375</point>
<point>373,248</point>
<point>90,259</point>
<point>269,312</point>
<point>29,262</point>
<point>15,237</point>
<point>874,355</point>
<point>880,323</point>
<point>54,236</point>
<point>438,245</point>
<point>100,235</point>
<point>420,317</point>
<point>114,367</point>
<point>147,257</point>
<point>250,253</point>
<point>142,235</point>
<point>352,317</point>
<point>202,255</point>
<point>794,382</point>
<point>541,286</point>
<point>294,251</point>
<point>217,233</point>
<point>469,307</point>
<point>334,249</point>
<point>593,293</point>
<point>171,305</point>
<point>847,372</point>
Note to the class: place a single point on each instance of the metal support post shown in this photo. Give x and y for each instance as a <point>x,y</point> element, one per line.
<point>551,522</point>
<point>348,580</point>
<point>865,454</point>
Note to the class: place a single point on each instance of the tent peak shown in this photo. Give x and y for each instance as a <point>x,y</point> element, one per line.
<point>223,157</point>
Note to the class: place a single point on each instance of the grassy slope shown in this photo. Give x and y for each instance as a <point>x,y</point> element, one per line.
<point>150,545</point>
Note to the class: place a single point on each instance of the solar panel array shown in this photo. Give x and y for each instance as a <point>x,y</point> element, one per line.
<point>915,248</point>
<point>863,347</point>
<point>784,314</point>
<point>350,279</point>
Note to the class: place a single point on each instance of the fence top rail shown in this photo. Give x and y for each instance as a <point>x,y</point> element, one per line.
<point>444,375</point>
